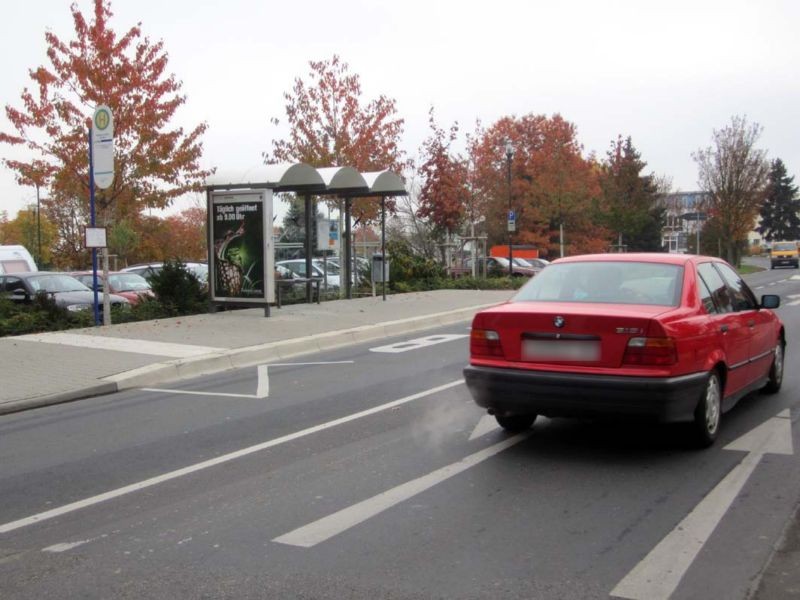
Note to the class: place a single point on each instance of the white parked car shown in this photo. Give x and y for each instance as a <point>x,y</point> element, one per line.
<point>298,266</point>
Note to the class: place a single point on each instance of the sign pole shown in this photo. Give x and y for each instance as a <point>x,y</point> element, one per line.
<point>91,210</point>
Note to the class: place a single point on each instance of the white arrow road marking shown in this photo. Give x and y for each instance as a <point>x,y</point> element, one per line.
<point>262,389</point>
<point>795,277</point>
<point>418,343</point>
<point>334,524</point>
<point>135,487</point>
<point>485,425</point>
<point>795,300</point>
<point>657,576</point>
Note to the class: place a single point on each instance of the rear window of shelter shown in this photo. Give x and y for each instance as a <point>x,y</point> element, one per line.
<point>606,282</point>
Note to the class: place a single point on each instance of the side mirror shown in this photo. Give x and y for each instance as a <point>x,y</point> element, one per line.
<point>770,301</point>
<point>19,295</point>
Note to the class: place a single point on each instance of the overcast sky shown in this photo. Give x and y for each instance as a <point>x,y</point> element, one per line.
<point>665,73</point>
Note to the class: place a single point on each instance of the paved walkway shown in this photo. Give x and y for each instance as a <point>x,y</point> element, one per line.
<point>48,368</point>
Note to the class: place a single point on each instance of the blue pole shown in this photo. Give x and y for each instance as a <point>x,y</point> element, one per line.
<point>94,250</point>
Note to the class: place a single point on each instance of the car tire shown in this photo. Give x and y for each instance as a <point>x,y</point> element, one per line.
<point>515,423</point>
<point>776,371</point>
<point>708,413</point>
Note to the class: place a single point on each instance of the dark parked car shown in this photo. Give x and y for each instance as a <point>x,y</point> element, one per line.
<point>670,337</point>
<point>67,291</point>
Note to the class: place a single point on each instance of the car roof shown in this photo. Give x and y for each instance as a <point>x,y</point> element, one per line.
<point>26,274</point>
<point>652,257</point>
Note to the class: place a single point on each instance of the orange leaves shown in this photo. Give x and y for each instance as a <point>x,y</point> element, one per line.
<point>330,125</point>
<point>153,162</point>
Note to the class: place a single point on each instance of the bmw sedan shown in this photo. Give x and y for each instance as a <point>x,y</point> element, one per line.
<point>669,337</point>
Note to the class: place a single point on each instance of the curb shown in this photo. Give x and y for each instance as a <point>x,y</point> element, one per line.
<point>218,362</point>
<point>183,368</point>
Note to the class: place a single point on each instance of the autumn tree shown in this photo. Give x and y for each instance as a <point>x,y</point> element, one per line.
<point>734,173</point>
<point>551,183</point>
<point>27,231</point>
<point>631,198</point>
<point>444,195</point>
<point>780,212</point>
<point>330,124</point>
<point>155,161</point>
<point>123,238</point>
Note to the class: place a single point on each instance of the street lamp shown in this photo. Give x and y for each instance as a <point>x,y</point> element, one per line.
<point>511,221</point>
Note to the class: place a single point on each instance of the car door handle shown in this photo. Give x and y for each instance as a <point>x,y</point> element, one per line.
<point>723,328</point>
<point>751,323</point>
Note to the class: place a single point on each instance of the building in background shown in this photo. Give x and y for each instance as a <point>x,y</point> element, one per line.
<point>684,220</point>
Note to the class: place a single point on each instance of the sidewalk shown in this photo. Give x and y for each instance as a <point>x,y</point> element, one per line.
<point>49,368</point>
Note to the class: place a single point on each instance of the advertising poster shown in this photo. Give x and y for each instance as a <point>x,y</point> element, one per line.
<point>239,247</point>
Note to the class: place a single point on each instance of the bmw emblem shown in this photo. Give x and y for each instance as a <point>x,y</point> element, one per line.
<point>558,322</point>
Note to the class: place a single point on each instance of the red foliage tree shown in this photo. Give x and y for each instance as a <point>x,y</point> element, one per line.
<point>444,195</point>
<point>330,125</point>
<point>154,161</point>
<point>551,183</point>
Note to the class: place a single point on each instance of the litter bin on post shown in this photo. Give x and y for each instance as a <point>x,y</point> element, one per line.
<point>380,268</point>
<point>380,272</point>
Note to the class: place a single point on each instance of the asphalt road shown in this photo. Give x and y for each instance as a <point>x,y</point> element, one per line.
<point>371,474</point>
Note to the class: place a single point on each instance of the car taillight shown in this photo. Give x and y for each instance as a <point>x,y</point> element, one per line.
<point>485,342</point>
<point>651,351</point>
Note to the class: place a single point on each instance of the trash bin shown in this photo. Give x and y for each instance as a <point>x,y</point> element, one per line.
<point>380,268</point>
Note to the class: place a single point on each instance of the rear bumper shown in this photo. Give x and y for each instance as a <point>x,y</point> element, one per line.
<point>517,391</point>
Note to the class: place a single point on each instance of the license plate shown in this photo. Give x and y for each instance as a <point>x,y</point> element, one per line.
<point>577,350</point>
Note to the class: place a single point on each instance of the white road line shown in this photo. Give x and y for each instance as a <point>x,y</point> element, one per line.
<point>99,342</point>
<point>135,487</point>
<point>658,574</point>
<point>334,524</point>
<point>418,343</point>
<point>191,393</point>
<point>262,389</point>
<point>485,425</point>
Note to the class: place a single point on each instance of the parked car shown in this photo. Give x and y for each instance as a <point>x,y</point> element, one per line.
<point>537,264</point>
<point>147,270</point>
<point>497,266</point>
<point>67,291</point>
<point>673,338</point>
<point>298,267</point>
<point>131,286</point>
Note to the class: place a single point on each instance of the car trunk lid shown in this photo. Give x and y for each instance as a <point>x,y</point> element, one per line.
<point>586,334</point>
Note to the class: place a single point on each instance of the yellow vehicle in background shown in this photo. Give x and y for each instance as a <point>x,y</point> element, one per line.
<point>784,253</point>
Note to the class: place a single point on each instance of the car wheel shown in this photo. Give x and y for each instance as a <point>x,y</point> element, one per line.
<point>775,371</point>
<point>708,412</point>
<point>515,423</point>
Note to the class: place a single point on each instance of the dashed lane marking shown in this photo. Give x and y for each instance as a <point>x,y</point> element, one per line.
<point>135,487</point>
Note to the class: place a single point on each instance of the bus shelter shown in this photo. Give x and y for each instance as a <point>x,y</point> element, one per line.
<point>240,215</point>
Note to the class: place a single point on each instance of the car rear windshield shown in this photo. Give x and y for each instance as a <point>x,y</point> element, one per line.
<point>128,282</point>
<point>606,282</point>
<point>784,246</point>
<point>56,283</point>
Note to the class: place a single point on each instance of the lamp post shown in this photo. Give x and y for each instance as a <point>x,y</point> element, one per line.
<point>511,223</point>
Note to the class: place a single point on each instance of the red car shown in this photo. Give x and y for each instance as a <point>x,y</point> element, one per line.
<point>131,286</point>
<point>670,337</point>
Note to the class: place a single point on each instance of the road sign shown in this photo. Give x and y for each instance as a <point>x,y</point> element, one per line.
<point>512,221</point>
<point>103,146</point>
